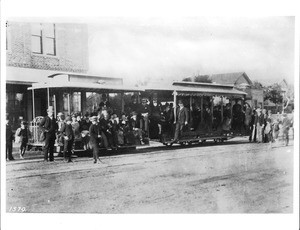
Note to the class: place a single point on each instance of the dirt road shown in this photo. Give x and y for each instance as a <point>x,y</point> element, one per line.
<point>236,177</point>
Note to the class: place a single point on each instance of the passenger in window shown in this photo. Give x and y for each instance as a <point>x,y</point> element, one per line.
<point>167,120</point>
<point>196,116</point>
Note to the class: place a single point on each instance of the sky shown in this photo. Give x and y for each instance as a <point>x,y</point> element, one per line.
<point>151,49</point>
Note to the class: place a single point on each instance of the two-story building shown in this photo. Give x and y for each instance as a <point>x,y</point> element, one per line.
<point>35,51</point>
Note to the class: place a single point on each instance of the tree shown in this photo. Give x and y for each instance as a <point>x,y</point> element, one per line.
<point>257,85</point>
<point>198,78</point>
<point>273,93</point>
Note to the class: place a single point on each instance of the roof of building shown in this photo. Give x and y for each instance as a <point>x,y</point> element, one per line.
<point>229,78</point>
<point>28,76</point>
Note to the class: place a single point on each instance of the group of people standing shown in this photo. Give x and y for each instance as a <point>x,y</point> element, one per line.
<point>104,129</point>
<point>265,127</point>
<point>140,121</point>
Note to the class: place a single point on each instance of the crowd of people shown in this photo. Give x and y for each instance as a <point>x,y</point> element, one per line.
<point>265,127</point>
<point>104,129</point>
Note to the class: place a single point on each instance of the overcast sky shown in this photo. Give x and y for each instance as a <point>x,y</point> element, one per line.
<point>155,48</point>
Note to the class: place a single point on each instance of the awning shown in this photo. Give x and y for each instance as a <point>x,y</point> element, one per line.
<point>87,87</point>
<point>208,91</point>
<point>198,89</point>
<point>18,75</point>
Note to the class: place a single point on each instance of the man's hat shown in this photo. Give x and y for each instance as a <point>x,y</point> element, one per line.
<point>60,114</point>
<point>94,118</point>
<point>23,122</point>
<point>68,118</point>
<point>50,109</point>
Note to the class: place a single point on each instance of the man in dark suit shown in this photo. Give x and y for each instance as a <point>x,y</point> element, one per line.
<point>68,135</point>
<point>9,140</point>
<point>182,117</point>
<point>95,135</point>
<point>49,127</point>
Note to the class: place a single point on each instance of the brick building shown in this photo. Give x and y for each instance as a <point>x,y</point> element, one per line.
<point>35,51</point>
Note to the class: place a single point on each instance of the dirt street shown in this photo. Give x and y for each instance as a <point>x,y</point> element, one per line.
<point>234,177</point>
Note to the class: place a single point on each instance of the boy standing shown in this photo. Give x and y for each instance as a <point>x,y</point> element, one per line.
<point>23,133</point>
<point>68,135</point>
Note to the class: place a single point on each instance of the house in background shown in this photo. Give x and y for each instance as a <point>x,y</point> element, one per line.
<point>241,81</point>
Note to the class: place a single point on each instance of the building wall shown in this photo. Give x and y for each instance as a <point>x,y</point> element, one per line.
<point>71,48</point>
<point>71,45</point>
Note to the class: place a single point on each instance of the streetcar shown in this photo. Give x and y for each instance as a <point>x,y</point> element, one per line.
<point>215,112</point>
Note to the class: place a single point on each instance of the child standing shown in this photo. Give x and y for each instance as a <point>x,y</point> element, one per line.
<point>68,135</point>
<point>23,133</point>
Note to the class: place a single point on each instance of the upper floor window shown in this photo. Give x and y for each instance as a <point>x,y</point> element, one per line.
<point>43,39</point>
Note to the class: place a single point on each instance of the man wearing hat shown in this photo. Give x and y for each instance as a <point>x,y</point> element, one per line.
<point>68,135</point>
<point>145,111</point>
<point>60,122</point>
<point>182,117</point>
<point>95,135</point>
<point>49,127</point>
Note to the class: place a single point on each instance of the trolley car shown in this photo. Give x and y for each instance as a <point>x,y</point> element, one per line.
<point>211,108</point>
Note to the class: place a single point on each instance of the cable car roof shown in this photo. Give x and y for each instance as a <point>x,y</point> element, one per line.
<point>198,89</point>
<point>83,86</point>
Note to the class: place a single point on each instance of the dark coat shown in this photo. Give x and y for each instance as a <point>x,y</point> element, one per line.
<point>94,131</point>
<point>134,124</point>
<point>67,130</point>
<point>49,125</point>
<point>182,115</point>
<point>261,119</point>
<point>24,135</point>
<point>9,134</point>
